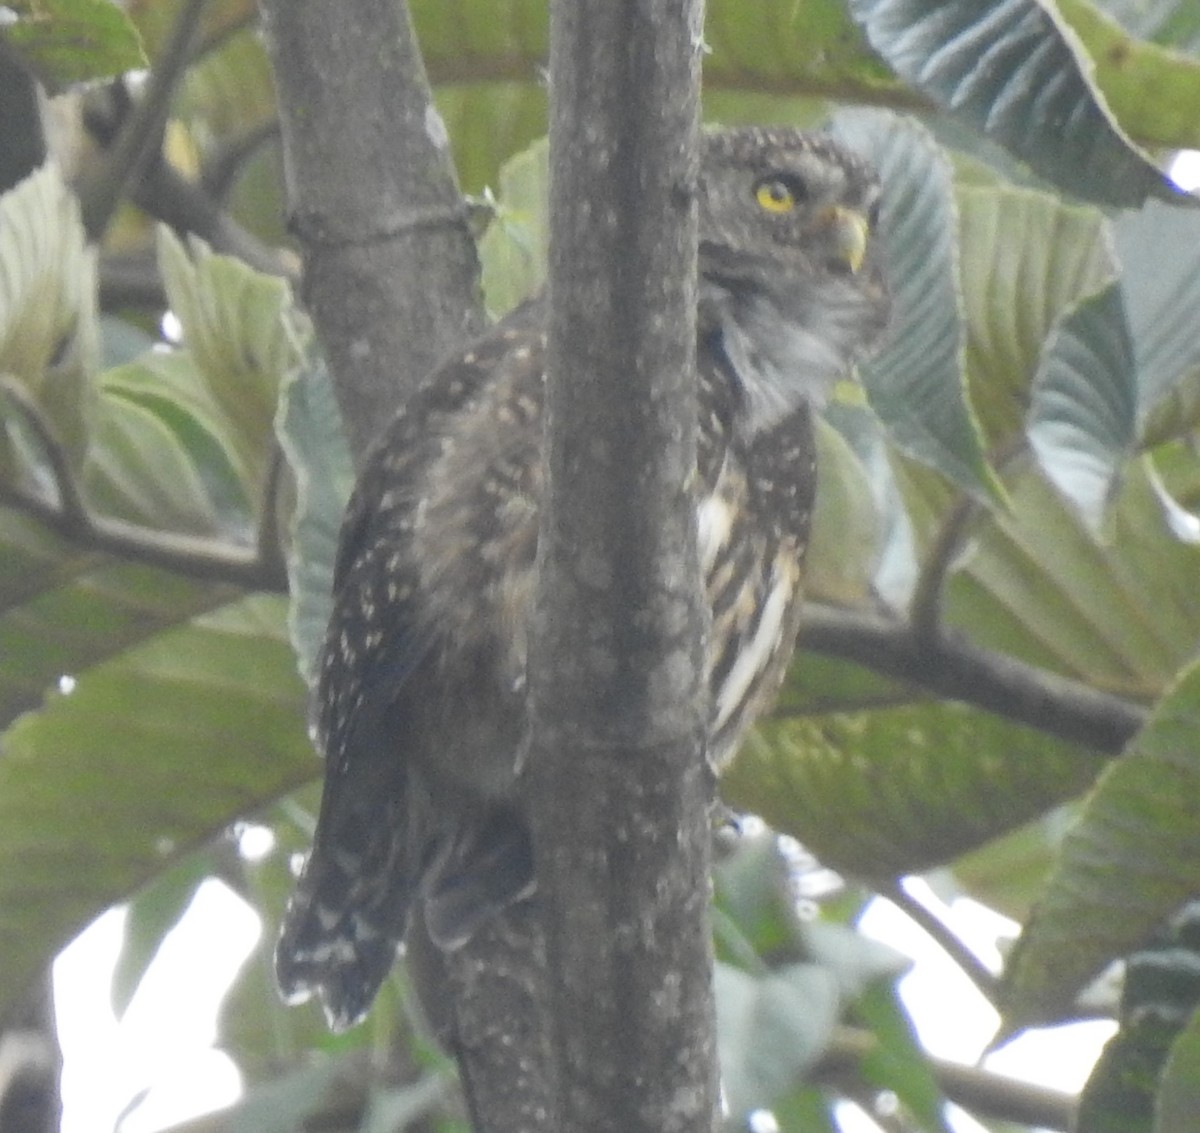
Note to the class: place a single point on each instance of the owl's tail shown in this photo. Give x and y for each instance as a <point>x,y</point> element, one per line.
<point>339,936</point>
<point>350,910</point>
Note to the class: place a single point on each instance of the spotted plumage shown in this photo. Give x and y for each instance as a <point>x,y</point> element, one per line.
<point>420,702</point>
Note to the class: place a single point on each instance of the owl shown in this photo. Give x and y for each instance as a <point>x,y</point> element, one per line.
<point>420,703</point>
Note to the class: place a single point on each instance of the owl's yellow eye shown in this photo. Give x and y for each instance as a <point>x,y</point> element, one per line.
<point>775,195</point>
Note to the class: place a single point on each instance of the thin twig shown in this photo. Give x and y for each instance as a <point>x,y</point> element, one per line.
<point>269,544</point>
<point>168,196</point>
<point>978,1091</point>
<point>213,560</point>
<point>222,168</point>
<point>141,131</point>
<point>970,964</point>
<point>925,609</point>
<point>70,497</point>
<point>130,280</point>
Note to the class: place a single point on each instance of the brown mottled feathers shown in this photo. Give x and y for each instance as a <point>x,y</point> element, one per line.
<point>420,704</point>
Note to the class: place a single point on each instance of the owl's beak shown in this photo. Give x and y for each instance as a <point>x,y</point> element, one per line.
<point>850,231</point>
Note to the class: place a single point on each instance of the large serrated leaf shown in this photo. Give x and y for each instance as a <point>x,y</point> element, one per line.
<point>783,46</point>
<point>244,336</point>
<point>309,427</point>
<point>916,383</point>
<point>63,609</point>
<point>153,753</point>
<point>1027,259</point>
<point>1159,251</point>
<point>159,383</point>
<point>884,793</point>
<point>1083,417</point>
<point>845,542</point>
<point>1119,613</point>
<point>1013,70</point>
<point>138,469</point>
<point>1008,874</point>
<point>1154,92</point>
<point>1132,858</point>
<point>49,338</point>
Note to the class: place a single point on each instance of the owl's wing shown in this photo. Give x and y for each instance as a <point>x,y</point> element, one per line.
<point>380,836</point>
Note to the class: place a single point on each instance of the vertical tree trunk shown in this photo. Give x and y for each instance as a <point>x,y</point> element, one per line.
<point>390,273</point>
<point>620,784</point>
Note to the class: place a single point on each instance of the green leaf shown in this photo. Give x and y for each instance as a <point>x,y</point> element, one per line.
<point>895,791</point>
<point>1179,1088</point>
<point>1118,613</point>
<point>1159,251</point>
<point>489,122</point>
<point>514,250</point>
<point>70,41</point>
<point>817,685</point>
<point>807,1108</point>
<point>397,1108</point>
<point>845,541</point>
<point>63,609</point>
<point>151,915</point>
<point>897,1063</point>
<point>770,1029</point>
<point>1083,420</point>
<point>153,384</point>
<point>1008,874</point>
<point>916,383</point>
<point>1173,23</point>
<point>1014,71</point>
<point>49,338</point>
<point>243,335</point>
<point>787,47</point>
<point>309,428</point>
<point>753,901</point>
<point>151,755</point>
<point>1132,858</point>
<point>150,463</point>
<point>1027,260</point>
<point>488,64</point>
<point>1153,91</point>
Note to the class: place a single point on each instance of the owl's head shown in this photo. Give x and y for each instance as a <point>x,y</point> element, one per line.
<point>790,263</point>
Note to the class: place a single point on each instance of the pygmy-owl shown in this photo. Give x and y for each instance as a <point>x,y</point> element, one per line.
<point>420,702</point>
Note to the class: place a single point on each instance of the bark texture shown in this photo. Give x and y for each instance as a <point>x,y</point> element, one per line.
<point>619,782</point>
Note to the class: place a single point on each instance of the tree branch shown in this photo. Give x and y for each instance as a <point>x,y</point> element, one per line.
<point>953,668</point>
<point>141,130</point>
<point>968,963</point>
<point>977,1091</point>
<point>390,272</point>
<point>165,194</point>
